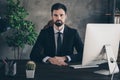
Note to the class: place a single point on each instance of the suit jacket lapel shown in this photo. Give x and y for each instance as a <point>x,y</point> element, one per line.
<point>52,38</point>
<point>65,34</point>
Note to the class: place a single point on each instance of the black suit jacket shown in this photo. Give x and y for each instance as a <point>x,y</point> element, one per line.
<point>45,45</point>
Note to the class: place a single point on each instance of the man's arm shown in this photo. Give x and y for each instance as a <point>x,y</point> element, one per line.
<point>38,49</point>
<point>79,48</point>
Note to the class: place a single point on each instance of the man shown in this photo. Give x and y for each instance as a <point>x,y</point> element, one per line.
<point>56,43</point>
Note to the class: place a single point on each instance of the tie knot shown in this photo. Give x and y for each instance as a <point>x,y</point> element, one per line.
<point>59,33</point>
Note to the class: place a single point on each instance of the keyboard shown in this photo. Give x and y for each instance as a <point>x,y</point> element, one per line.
<point>81,66</point>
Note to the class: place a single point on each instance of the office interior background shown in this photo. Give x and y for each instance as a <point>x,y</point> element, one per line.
<point>80,12</point>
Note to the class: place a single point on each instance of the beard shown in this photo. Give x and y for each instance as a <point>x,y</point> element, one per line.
<point>58,23</point>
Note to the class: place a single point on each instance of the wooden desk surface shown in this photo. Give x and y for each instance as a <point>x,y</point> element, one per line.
<point>52,72</point>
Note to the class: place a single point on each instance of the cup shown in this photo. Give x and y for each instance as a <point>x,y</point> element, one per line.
<point>10,68</point>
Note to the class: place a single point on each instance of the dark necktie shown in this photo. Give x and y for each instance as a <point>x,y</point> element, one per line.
<point>59,43</point>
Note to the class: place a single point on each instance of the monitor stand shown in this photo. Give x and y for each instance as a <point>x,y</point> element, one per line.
<point>111,60</point>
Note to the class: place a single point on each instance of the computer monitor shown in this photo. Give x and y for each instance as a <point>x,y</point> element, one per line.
<point>101,44</point>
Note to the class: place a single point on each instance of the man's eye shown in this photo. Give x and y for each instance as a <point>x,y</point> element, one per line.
<point>55,15</point>
<point>61,15</point>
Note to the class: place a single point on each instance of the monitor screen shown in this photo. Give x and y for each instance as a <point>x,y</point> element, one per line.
<point>96,37</point>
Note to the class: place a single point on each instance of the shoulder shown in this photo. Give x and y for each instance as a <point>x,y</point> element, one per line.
<point>49,29</point>
<point>72,30</point>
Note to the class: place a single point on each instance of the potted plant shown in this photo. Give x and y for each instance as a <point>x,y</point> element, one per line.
<point>21,31</point>
<point>30,69</point>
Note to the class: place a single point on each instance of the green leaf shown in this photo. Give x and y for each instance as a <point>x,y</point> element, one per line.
<point>22,31</point>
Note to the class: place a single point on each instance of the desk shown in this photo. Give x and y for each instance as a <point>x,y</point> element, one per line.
<point>52,72</point>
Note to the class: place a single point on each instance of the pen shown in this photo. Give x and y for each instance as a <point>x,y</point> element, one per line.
<point>4,61</point>
<point>11,63</point>
<point>6,58</point>
<point>14,62</point>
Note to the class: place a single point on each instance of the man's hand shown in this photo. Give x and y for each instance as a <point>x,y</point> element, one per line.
<point>61,58</point>
<point>60,61</point>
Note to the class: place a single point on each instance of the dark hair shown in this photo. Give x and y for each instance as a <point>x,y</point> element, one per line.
<point>57,6</point>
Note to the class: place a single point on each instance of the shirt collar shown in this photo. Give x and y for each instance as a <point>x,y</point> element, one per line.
<point>61,31</point>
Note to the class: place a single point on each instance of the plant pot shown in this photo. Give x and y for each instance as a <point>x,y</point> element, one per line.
<point>30,73</point>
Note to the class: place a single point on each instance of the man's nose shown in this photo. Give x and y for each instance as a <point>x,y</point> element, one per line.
<point>59,17</point>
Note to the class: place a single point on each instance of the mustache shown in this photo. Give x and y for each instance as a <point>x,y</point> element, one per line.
<point>58,21</point>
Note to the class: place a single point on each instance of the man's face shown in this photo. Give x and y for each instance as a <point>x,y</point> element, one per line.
<point>59,17</point>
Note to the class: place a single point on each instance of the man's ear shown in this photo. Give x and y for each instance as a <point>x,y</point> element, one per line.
<point>51,14</point>
<point>65,16</point>
<point>51,17</point>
